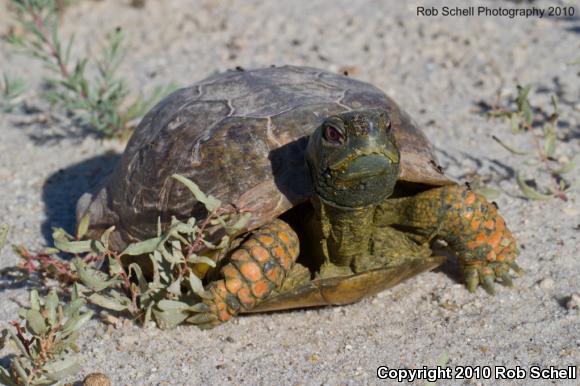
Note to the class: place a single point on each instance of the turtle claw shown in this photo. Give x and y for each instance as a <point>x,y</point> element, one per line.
<point>507,280</point>
<point>200,307</point>
<point>487,284</point>
<point>202,318</point>
<point>486,274</point>
<point>471,280</point>
<point>517,269</point>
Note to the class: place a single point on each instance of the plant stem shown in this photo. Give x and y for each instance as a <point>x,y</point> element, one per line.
<point>557,190</point>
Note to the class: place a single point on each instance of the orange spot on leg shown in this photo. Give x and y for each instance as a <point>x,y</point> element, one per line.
<point>470,199</point>
<point>240,255</point>
<point>266,240</point>
<point>233,285</point>
<point>480,239</point>
<point>261,289</point>
<point>494,240</point>
<point>246,299</point>
<point>250,271</point>
<point>260,254</point>
<point>283,236</point>
<point>275,275</point>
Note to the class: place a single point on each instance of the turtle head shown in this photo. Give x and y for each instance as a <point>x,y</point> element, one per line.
<point>353,158</point>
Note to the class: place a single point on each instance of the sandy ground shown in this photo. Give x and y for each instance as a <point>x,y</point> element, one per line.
<point>438,69</point>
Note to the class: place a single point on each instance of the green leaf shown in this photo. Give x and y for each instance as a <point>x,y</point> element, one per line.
<point>76,322</point>
<point>83,246</point>
<point>20,371</point>
<point>169,319</point>
<point>93,279</point>
<point>72,308</point>
<point>550,144</point>
<point>107,302</point>
<point>35,322</point>
<point>175,287</point>
<point>211,203</point>
<point>528,191</point>
<point>197,286</point>
<point>62,368</point>
<point>5,378</point>
<point>243,219</point>
<point>523,103</point>
<point>143,285</point>
<point>142,247</point>
<point>507,147</point>
<point>16,341</point>
<point>83,226</point>
<point>195,259</point>
<point>166,305</point>
<point>34,300</point>
<point>51,305</point>
<point>106,235</point>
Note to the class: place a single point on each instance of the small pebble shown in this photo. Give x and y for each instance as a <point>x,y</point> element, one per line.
<point>546,283</point>
<point>573,302</point>
<point>96,379</point>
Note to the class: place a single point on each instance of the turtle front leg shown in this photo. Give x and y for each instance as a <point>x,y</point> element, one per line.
<point>471,226</point>
<point>257,268</point>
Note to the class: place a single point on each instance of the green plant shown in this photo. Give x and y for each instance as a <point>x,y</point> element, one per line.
<point>169,294</point>
<point>102,102</point>
<point>543,134</point>
<point>45,342</point>
<point>10,92</point>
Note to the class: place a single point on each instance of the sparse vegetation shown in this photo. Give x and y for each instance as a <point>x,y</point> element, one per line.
<point>168,295</point>
<point>102,102</point>
<point>543,133</point>
<point>11,92</point>
<point>46,341</point>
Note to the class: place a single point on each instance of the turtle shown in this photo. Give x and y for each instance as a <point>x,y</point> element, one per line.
<point>345,192</point>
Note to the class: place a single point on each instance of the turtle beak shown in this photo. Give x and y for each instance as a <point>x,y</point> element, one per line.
<point>364,167</point>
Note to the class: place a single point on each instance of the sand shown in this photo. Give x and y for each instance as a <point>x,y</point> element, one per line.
<point>438,68</point>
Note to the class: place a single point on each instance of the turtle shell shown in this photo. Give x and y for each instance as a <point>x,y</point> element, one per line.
<point>240,136</point>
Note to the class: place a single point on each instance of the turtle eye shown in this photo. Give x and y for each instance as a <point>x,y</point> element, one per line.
<point>332,134</point>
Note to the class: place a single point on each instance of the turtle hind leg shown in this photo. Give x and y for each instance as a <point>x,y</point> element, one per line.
<point>257,269</point>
